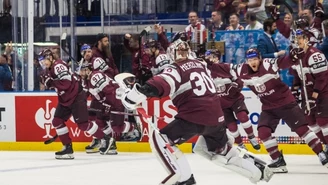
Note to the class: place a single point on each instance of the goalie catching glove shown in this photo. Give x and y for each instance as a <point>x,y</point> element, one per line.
<point>132,98</point>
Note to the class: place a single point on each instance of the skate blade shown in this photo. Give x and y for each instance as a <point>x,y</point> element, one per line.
<point>109,152</point>
<point>65,157</point>
<point>267,174</point>
<point>92,151</point>
<point>281,169</point>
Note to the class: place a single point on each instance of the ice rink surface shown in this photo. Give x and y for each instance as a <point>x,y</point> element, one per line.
<point>40,168</point>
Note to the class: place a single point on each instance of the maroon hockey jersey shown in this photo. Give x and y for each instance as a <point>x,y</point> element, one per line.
<point>105,90</point>
<point>223,80</point>
<point>189,85</point>
<point>266,82</point>
<point>315,69</point>
<point>65,84</point>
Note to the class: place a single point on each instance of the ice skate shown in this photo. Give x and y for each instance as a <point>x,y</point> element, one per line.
<point>279,165</point>
<point>255,144</point>
<point>93,147</point>
<point>190,181</point>
<point>108,146</point>
<point>323,157</point>
<point>65,153</point>
<point>134,135</point>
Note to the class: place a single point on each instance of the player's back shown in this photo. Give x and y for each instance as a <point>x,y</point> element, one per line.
<point>194,92</point>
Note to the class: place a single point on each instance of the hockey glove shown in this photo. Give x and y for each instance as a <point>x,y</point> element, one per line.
<point>296,93</point>
<point>132,98</point>
<point>47,80</point>
<point>296,54</point>
<point>275,14</point>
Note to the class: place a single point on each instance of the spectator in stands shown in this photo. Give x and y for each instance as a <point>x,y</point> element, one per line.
<point>131,43</point>
<point>217,23</point>
<point>288,20</point>
<point>226,8</point>
<point>195,25</point>
<point>255,6</point>
<point>305,4</point>
<point>266,45</point>
<point>6,4</point>
<point>5,72</point>
<point>234,23</point>
<point>253,24</point>
<point>324,46</point>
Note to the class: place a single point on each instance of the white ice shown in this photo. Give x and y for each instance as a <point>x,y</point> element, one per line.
<point>40,168</point>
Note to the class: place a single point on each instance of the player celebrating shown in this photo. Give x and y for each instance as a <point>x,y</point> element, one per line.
<point>232,100</point>
<point>106,91</point>
<point>262,77</point>
<point>189,85</point>
<point>315,71</point>
<point>72,101</point>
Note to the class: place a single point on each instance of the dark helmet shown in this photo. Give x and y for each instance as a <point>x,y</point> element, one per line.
<point>151,43</point>
<point>252,52</point>
<point>46,53</point>
<point>302,23</point>
<point>180,35</point>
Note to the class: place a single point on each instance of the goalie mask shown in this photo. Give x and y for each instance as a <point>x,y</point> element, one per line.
<point>99,64</point>
<point>178,51</point>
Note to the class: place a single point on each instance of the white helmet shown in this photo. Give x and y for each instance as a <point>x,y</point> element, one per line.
<point>99,64</point>
<point>174,48</point>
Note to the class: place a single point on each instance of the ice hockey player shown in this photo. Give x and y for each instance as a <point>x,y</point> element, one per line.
<point>190,87</point>
<point>108,92</point>
<point>71,101</point>
<point>229,89</point>
<point>315,70</point>
<point>262,77</point>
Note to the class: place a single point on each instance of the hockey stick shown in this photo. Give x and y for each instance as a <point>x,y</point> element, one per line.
<point>51,140</point>
<point>113,112</point>
<point>307,103</point>
<point>63,46</point>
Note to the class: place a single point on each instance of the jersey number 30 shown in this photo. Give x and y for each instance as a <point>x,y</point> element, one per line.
<point>202,83</point>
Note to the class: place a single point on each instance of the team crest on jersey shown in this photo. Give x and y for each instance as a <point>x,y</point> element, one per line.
<point>260,88</point>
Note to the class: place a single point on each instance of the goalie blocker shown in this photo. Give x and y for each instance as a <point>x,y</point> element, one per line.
<point>213,143</point>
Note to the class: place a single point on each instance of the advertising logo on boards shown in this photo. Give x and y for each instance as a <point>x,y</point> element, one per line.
<point>34,115</point>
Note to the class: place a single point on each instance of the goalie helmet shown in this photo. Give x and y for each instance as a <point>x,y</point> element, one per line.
<point>99,64</point>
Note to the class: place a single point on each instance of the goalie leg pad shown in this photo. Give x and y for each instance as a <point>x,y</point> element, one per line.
<point>171,158</point>
<point>242,163</point>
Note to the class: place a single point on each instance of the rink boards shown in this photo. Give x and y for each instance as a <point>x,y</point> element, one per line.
<point>25,122</point>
